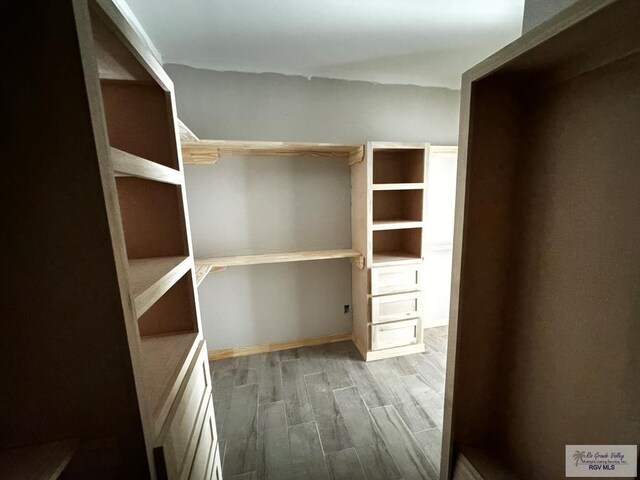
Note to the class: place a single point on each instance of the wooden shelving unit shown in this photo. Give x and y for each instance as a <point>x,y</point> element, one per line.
<point>395,224</point>
<point>118,290</point>
<point>125,164</point>
<point>208,151</point>
<point>546,249</point>
<point>388,205</point>
<point>397,186</point>
<point>207,265</point>
<point>150,278</point>
<point>164,364</point>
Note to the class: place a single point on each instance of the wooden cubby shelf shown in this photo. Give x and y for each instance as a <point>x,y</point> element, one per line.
<point>206,265</point>
<point>128,165</point>
<point>397,186</point>
<point>164,364</point>
<point>395,224</point>
<point>150,278</point>
<point>394,258</point>
<point>397,247</point>
<point>209,151</point>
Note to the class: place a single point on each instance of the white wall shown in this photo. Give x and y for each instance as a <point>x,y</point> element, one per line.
<point>258,205</point>
<point>537,11</point>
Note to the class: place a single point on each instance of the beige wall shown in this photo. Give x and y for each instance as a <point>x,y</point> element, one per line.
<point>260,205</point>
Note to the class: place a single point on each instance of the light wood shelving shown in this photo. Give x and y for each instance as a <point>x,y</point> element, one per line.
<point>164,364</point>
<point>394,258</point>
<point>395,224</point>
<point>119,272</point>
<point>126,164</point>
<point>388,201</point>
<point>150,278</point>
<point>209,151</point>
<point>397,186</point>
<point>206,265</point>
<point>546,249</point>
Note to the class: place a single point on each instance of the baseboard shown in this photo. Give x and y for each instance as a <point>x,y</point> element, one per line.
<point>395,352</point>
<point>361,348</point>
<point>275,347</point>
<point>438,322</point>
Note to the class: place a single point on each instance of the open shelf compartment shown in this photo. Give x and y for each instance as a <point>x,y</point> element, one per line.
<point>137,108</point>
<point>152,218</point>
<point>394,209</point>
<point>173,312</point>
<point>165,360</point>
<point>397,247</point>
<point>399,165</point>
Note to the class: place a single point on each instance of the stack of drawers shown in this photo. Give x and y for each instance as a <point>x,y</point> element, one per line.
<point>396,306</point>
<point>187,445</point>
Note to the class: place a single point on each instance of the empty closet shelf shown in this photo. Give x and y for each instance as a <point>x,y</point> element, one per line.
<point>150,278</point>
<point>208,151</point>
<point>223,262</point>
<point>127,165</point>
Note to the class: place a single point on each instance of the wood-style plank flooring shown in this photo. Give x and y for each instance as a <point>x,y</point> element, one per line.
<point>322,413</point>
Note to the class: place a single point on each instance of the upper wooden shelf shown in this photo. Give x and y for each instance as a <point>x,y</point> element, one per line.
<point>397,186</point>
<point>209,151</point>
<point>128,165</point>
<point>394,258</point>
<point>150,278</point>
<point>205,265</point>
<point>395,224</point>
<point>44,461</point>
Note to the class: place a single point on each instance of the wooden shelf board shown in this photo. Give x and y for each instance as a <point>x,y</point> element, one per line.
<point>371,355</point>
<point>45,461</point>
<point>201,272</point>
<point>128,165</point>
<point>397,186</point>
<point>395,224</point>
<point>165,360</point>
<point>223,262</point>
<point>186,135</point>
<point>150,278</point>
<point>208,151</point>
<point>394,258</point>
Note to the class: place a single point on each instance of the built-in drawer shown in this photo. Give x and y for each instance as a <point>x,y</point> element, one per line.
<point>203,460</point>
<point>401,306</point>
<point>395,334</point>
<point>177,441</point>
<point>216,471</point>
<point>386,280</point>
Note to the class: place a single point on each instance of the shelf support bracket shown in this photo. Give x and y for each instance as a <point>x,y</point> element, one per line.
<point>357,262</point>
<point>199,154</point>
<point>356,156</point>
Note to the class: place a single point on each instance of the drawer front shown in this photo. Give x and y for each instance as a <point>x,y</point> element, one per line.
<point>177,441</point>
<point>401,306</point>
<point>206,449</point>
<point>216,471</point>
<point>396,334</point>
<point>386,280</point>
